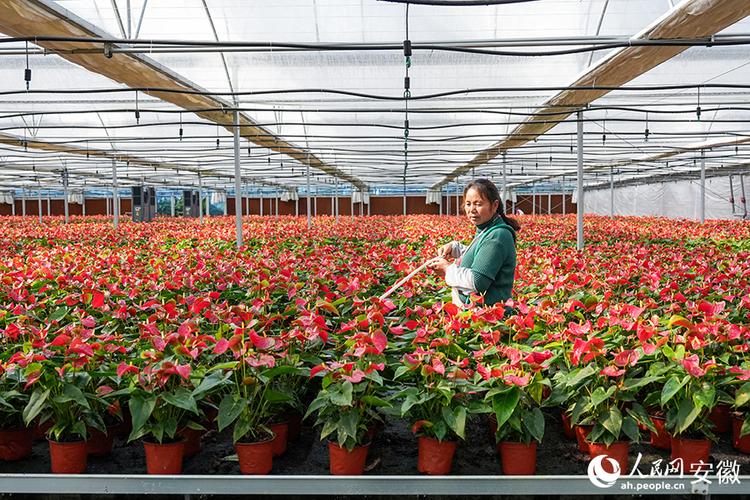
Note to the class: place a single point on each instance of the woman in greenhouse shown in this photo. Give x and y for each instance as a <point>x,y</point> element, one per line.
<point>487,265</point>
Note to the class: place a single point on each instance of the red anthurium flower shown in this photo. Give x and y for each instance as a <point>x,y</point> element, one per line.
<point>124,368</point>
<point>741,373</point>
<point>612,371</point>
<point>88,322</point>
<point>221,346</point>
<point>355,377</point>
<point>317,369</point>
<point>419,424</point>
<point>97,299</point>
<point>261,342</point>
<point>521,381</point>
<point>628,357</point>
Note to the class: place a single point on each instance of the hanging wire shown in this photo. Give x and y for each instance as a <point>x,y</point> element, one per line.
<point>27,71</point>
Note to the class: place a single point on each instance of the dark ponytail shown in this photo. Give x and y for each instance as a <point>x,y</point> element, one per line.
<point>488,190</point>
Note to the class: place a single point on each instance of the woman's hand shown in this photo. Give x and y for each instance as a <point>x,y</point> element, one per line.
<point>446,251</point>
<point>439,265</point>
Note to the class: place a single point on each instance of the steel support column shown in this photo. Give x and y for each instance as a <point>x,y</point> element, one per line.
<point>579,180</point>
<point>115,196</point>
<point>237,180</point>
<point>703,187</point>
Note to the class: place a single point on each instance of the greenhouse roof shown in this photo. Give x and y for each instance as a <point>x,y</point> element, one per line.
<point>321,82</point>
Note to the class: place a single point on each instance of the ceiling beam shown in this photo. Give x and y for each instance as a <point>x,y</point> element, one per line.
<point>27,18</point>
<point>691,19</point>
<point>69,149</point>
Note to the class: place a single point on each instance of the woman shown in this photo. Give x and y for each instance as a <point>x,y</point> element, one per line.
<point>488,265</point>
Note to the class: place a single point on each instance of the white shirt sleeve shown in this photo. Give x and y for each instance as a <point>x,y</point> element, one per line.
<point>461,278</point>
<point>458,249</point>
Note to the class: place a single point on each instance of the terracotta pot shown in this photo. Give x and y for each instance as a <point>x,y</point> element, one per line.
<point>255,458</point>
<point>281,430</point>
<point>164,458</point>
<point>435,457</point>
<point>567,429</point>
<point>100,443</point>
<point>295,427</point>
<point>691,451</point>
<point>347,463</point>
<point>617,450</point>
<point>15,444</point>
<point>741,444</point>
<point>67,458</point>
<point>192,441</point>
<point>661,439</point>
<point>582,431</point>
<point>721,418</point>
<point>517,459</point>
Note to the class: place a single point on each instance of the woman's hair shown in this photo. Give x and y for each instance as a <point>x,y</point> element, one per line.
<point>489,192</point>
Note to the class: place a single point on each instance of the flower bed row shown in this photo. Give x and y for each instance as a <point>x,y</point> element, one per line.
<point>169,330</point>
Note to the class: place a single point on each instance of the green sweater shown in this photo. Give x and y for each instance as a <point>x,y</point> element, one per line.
<point>492,260</point>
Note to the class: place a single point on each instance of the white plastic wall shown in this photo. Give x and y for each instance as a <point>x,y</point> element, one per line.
<point>680,199</point>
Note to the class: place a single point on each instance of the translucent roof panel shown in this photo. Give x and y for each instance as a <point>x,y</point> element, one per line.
<point>345,106</point>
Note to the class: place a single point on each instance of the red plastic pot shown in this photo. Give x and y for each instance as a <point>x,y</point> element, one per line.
<point>255,458</point>
<point>164,458</point>
<point>67,458</point>
<point>567,429</point>
<point>295,427</point>
<point>281,430</point>
<point>582,432</point>
<point>721,417</point>
<point>618,451</point>
<point>517,459</point>
<point>435,457</point>
<point>691,451</point>
<point>100,443</point>
<point>741,444</point>
<point>15,444</point>
<point>347,463</point>
<point>661,439</point>
<point>192,441</point>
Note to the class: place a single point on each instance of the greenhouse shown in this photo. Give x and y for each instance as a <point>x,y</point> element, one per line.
<point>374,247</point>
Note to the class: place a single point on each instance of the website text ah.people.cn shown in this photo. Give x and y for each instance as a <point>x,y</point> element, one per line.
<point>606,476</point>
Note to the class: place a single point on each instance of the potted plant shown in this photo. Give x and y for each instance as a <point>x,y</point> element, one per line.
<point>161,402</point>
<point>516,385</point>
<point>60,396</point>
<point>346,409</point>
<point>687,398</point>
<point>16,438</point>
<point>249,395</point>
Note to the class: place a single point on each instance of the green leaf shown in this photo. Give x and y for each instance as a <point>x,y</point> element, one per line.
<point>705,396</point>
<point>243,426</point>
<point>743,395</point>
<point>583,374</point>
<point>455,419</point>
<point>613,421</point>
<point>274,396</point>
<point>140,411</point>
<point>598,396</point>
<point>686,415</point>
<point>209,382</point>
<point>229,409</point>
<point>400,371</point>
<point>328,428</point>
<point>630,429</point>
<point>181,398</point>
<point>639,414</point>
<point>343,395</point>
<point>348,425</point>
<point>376,401</point>
<point>35,405</point>
<point>672,387</point>
<point>504,405</point>
<point>73,393</point>
<point>317,403</point>
<point>745,426</point>
<point>59,314</point>
<point>534,422</point>
<point>440,429</point>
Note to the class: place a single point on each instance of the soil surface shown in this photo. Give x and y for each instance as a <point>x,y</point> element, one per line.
<point>393,452</point>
